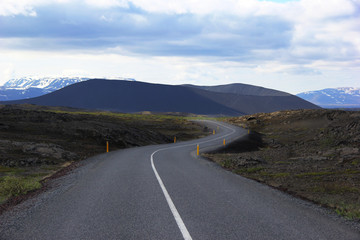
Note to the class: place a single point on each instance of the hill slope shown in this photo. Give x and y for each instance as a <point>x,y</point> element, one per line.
<point>127,96</point>
<point>243,89</point>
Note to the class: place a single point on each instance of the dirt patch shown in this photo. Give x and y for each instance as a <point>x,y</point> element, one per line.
<point>313,154</point>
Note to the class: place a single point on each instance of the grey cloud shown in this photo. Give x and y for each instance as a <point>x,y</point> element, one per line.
<point>146,33</point>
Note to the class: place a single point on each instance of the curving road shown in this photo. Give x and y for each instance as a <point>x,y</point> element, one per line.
<point>167,192</point>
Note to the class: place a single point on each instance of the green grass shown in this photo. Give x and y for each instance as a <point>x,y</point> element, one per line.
<point>335,189</point>
<point>311,174</point>
<point>4,169</point>
<point>227,163</point>
<point>275,175</point>
<point>355,162</point>
<point>351,171</point>
<point>124,116</point>
<point>134,116</point>
<point>11,186</point>
<point>249,170</point>
<point>18,181</point>
<point>349,211</point>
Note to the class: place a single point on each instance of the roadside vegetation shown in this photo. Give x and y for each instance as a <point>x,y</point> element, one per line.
<point>37,142</point>
<point>312,154</point>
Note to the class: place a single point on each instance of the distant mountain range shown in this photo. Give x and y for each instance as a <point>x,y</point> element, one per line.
<point>346,97</point>
<point>29,87</point>
<point>133,96</point>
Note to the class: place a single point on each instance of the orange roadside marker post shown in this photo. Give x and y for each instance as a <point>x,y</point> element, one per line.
<point>197,150</point>
<point>107,146</point>
<point>174,139</point>
<point>224,142</point>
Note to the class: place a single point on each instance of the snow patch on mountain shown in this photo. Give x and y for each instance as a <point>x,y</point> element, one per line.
<point>342,97</point>
<point>49,83</point>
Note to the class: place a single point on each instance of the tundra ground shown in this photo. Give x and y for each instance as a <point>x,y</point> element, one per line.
<point>313,154</point>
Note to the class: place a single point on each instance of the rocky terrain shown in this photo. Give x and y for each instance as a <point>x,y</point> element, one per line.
<point>30,137</point>
<point>313,154</point>
<point>35,142</point>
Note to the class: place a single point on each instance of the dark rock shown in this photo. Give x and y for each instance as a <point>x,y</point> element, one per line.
<point>247,161</point>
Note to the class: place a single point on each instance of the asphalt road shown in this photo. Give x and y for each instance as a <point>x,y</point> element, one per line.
<point>167,192</point>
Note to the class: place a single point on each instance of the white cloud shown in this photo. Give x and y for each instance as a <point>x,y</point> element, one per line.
<point>223,40</point>
<point>243,7</point>
<point>71,72</point>
<point>107,3</point>
<point>7,72</point>
<point>318,9</point>
<point>21,7</point>
<point>28,7</point>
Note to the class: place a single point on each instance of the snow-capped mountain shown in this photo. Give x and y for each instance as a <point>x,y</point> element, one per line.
<point>344,97</point>
<point>47,83</point>
<point>29,87</point>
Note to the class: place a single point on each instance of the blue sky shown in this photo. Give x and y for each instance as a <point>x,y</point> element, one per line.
<point>292,46</point>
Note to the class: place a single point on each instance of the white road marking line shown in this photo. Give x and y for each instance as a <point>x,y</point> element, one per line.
<point>173,209</point>
<point>178,219</point>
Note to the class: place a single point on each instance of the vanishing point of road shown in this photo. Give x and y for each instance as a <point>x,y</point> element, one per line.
<point>167,192</point>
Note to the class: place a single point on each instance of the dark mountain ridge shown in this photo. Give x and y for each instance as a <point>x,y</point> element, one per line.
<point>129,96</point>
<point>242,89</point>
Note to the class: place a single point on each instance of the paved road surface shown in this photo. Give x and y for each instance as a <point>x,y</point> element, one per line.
<point>167,192</point>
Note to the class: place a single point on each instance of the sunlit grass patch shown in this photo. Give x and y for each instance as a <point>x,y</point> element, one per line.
<point>11,186</point>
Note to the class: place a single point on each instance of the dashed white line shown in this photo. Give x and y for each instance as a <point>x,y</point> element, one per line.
<point>178,219</point>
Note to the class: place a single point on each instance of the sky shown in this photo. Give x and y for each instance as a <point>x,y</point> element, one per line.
<point>293,46</point>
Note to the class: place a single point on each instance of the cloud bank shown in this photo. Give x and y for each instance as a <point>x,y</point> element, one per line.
<point>304,37</point>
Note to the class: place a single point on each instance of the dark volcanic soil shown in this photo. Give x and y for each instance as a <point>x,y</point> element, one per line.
<point>34,137</point>
<point>313,154</point>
